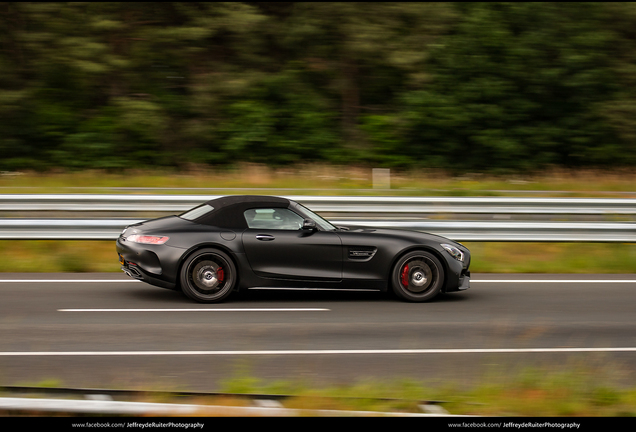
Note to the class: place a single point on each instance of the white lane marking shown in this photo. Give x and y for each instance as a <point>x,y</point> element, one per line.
<point>317,352</point>
<point>555,280</point>
<point>201,310</point>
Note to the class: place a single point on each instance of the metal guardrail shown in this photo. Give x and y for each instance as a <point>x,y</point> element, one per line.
<point>124,408</point>
<point>331,204</point>
<point>118,402</point>
<point>109,229</point>
<point>413,213</point>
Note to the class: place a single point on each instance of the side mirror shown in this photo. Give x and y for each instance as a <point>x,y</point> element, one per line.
<point>309,224</point>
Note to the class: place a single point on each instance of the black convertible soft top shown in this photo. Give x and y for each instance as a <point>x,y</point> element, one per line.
<point>228,210</point>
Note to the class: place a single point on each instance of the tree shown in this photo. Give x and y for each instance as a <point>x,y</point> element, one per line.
<point>517,86</point>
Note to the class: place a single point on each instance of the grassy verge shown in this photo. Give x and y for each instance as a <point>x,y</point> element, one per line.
<point>53,256</point>
<point>552,257</point>
<point>572,390</point>
<point>576,388</point>
<point>333,181</point>
<point>46,256</point>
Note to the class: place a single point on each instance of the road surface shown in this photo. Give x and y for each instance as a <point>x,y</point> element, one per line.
<point>108,331</point>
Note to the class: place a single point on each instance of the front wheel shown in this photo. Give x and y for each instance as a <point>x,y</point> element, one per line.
<point>417,277</point>
<point>208,276</point>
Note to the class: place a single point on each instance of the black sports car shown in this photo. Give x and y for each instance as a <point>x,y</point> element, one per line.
<point>241,242</point>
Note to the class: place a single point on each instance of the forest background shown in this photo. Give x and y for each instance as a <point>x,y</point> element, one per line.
<point>490,87</point>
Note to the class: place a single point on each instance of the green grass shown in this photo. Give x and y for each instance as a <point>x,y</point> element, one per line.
<point>578,387</point>
<point>575,389</point>
<point>52,256</point>
<point>331,179</point>
<point>529,257</point>
<point>55,256</point>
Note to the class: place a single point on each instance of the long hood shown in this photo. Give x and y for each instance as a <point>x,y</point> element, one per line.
<point>396,233</point>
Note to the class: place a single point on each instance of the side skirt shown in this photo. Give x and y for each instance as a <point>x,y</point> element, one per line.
<point>313,289</point>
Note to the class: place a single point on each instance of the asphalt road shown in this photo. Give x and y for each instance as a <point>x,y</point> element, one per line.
<point>108,331</point>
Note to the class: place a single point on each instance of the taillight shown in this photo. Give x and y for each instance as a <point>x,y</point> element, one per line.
<point>146,239</point>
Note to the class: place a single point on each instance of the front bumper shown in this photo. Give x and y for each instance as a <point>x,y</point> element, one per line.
<point>464,281</point>
<point>459,272</point>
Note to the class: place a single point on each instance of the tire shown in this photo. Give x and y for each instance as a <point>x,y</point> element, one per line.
<point>208,276</point>
<point>418,276</point>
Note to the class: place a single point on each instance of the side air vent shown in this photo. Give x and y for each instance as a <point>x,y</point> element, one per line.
<point>362,253</point>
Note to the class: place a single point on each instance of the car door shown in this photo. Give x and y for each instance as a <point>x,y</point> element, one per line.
<point>277,247</point>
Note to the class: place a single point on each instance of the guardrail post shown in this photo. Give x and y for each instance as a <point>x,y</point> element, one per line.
<point>381,178</point>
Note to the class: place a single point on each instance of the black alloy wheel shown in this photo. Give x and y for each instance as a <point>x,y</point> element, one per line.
<point>208,276</point>
<point>417,277</point>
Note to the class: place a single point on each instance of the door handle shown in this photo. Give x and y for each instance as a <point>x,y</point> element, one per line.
<point>264,237</point>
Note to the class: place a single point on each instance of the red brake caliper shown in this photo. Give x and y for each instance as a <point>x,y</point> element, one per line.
<point>405,276</point>
<point>220,274</point>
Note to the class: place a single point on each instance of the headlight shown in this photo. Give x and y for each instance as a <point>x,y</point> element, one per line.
<point>455,252</point>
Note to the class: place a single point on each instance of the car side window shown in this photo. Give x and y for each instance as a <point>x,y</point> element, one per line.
<point>273,218</point>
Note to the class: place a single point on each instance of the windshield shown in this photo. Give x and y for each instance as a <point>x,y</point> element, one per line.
<point>322,223</point>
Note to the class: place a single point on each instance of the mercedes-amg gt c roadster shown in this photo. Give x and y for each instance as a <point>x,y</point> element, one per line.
<point>241,242</point>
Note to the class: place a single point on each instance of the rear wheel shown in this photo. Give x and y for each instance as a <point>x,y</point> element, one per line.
<point>208,276</point>
<point>417,277</point>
